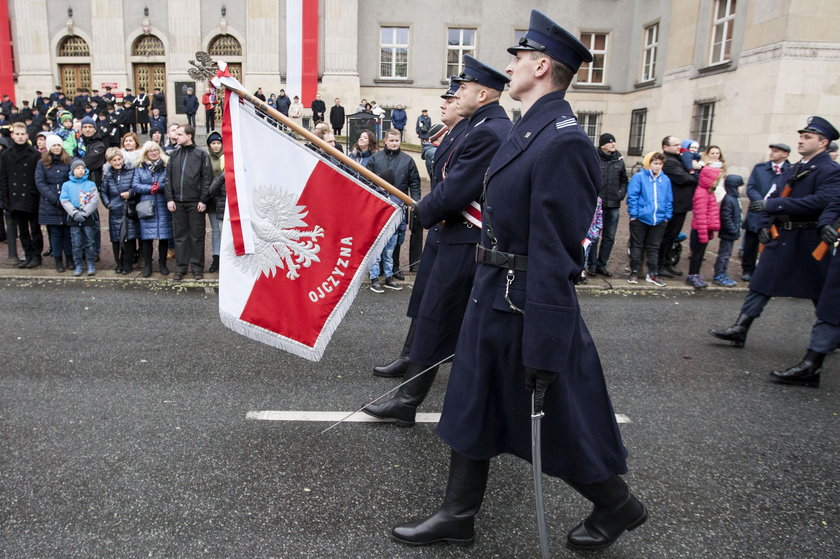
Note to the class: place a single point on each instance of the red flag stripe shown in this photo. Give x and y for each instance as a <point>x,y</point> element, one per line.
<point>230,178</point>
<point>309,62</point>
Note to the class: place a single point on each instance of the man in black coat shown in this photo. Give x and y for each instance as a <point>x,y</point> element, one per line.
<point>337,117</point>
<point>523,342</point>
<point>141,105</point>
<point>758,185</point>
<point>447,277</point>
<point>129,111</point>
<point>788,229</point>
<point>683,184</point>
<point>283,102</point>
<point>319,109</point>
<point>19,195</point>
<point>159,101</point>
<point>613,190</point>
<point>190,104</point>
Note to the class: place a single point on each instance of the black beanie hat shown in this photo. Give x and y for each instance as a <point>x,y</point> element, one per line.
<point>605,139</point>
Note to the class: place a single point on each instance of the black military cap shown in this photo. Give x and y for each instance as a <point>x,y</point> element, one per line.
<point>476,71</point>
<point>819,125</point>
<point>454,84</point>
<point>546,36</point>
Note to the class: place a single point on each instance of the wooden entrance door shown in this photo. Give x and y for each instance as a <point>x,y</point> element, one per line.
<point>149,76</point>
<point>73,76</point>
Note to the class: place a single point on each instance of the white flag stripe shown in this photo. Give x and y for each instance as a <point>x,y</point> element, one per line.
<point>294,48</point>
<point>361,417</point>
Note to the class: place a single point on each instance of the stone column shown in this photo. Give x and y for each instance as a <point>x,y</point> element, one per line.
<point>184,41</point>
<point>341,53</point>
<point>264,51</point>
<point>32,48</point>
<point>108,51</point>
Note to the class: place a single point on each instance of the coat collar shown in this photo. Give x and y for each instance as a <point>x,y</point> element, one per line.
<point>551,108</point>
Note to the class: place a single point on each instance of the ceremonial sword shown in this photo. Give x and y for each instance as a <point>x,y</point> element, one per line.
<point>352,413</point>
<point>536,465</point>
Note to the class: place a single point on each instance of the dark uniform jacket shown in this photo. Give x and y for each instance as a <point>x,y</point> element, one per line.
<point>18,192</point>
<point>682,183</point>
<point>188,175</point>
<point>758,185</point>
<point>430,249</point>
<point>142,103</point>
<point>828,306</point>
<point>540,196</point>
<point>786,268</point>
<point>159,102</point>
<point>613,179</point>
<point>460,171</point>
<point>337,117</point>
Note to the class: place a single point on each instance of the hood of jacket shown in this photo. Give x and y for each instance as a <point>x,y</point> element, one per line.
<point>731,183</point>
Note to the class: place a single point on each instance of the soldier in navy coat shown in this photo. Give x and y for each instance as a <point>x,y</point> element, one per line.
<point>758,185</point>
<point>456,124</point>
<point>523,335</point>
<point>446,280</point>
<point>825,333</point>
<point>792,209</point>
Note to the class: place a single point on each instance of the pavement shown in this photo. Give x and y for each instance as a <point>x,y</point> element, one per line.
<point>125,432</point>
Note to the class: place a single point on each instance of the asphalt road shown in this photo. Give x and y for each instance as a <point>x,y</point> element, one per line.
<point>123,433</point>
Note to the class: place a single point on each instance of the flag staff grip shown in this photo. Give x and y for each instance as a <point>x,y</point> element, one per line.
<point>286,121</point>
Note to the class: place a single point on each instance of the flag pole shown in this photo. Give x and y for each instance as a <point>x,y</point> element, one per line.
<point>286,121</point>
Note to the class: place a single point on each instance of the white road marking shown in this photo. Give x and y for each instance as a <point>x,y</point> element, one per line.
<point>333,416</point>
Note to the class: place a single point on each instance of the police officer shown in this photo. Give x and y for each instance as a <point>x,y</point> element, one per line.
<point>523,333</point>
<point>788,230</point>
<point>825,333</point>
<point>457,125</point>
<point>447,278</point>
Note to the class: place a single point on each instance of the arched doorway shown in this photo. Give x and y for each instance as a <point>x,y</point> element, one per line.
<point>74,64</point>
<point>148,56</point>
<point>229,49</point>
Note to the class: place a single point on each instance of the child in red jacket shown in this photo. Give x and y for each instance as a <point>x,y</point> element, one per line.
<point>706,219</point>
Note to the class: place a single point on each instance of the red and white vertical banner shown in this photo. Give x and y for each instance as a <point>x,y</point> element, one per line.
<point>298,235</point>
<point>302,49</point>
<point>7,66</point>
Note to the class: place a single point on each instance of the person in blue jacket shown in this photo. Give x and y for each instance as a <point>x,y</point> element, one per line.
<point>523,344</point>
<point>730,229</point>
<point>650,204</point>
<point>399,119</point>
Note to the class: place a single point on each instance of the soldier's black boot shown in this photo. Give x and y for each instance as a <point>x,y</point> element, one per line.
<point>616,510</point>
<point>454,522</point>
<point>402,408</point>
<point>805,373</point>
<point>398,366</point>
<point>737,333</point>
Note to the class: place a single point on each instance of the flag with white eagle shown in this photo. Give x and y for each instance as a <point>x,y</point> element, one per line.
<point>298,235</point>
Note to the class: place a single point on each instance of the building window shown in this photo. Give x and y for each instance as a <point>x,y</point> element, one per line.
<point>459,43</point>
<point>594,72</point>
<point>636,145</point>
<point>651,48</point>
<point>518,34</point>
<point>225,45</point>
<point>393,52</point>
<point>591,124</point>
<point>148,45</point>
<point>702,122</point>
<point>73,45</point>
<point>722,27</point>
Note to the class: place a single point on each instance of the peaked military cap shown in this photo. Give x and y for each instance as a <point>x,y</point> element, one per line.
<point>546,36</point>
<point>454,84</point>
<point>819,125</point>
<point>477,71</point>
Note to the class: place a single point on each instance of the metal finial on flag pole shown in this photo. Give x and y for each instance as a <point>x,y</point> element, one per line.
<point>205,69</point>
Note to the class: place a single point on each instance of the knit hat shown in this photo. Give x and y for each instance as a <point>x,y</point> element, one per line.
<point>53,140</point>
<point>436,132</point>
<point>88,120</point>
<point>64,115</point>
<point>76,163</point>
<point>605,139</point>
<point>214,137</point>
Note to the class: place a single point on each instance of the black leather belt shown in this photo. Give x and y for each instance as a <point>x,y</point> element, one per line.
<point>794,225</point>
<point>500,259</point>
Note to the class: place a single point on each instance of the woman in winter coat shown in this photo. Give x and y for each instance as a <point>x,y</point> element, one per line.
<point>116,191</point>
<point>50,173</point>
<point>149,183</point>
<point>364,147</point>
<point>217,162</point>
<point>706,218</point>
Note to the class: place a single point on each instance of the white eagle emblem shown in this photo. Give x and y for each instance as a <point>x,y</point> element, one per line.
<point>279,241</point>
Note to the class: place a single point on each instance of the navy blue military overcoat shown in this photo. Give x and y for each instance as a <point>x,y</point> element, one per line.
<point>447,288</point>
<point>430,249</point>
<point>786,268</point>
<point>541,190</point>
<point>758,185</point>
<point>828,307</point>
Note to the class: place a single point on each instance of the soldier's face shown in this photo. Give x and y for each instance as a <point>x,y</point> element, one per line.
<point>521,73</point>
<point>19,136</point>
<point>810,144</point>
<point>467,98</point>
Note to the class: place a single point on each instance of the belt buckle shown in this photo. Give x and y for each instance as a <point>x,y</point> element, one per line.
<point>787,226</point>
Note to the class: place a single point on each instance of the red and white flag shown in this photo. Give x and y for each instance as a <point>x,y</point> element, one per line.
<point>297,238</point>
<point>302,49</point>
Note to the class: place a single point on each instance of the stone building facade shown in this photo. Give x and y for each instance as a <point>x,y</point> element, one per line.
<point>736,73</point>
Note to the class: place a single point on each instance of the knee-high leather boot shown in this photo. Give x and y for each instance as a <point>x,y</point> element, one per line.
<point>128,257</point>
<point>454,521</point>
<point>146,248</point>
<point>737,333</point>
<point>115,247</point>
<point>805,373</point>
<point>402,408</point>
<point>616,510</point>
<point>398,366</point>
